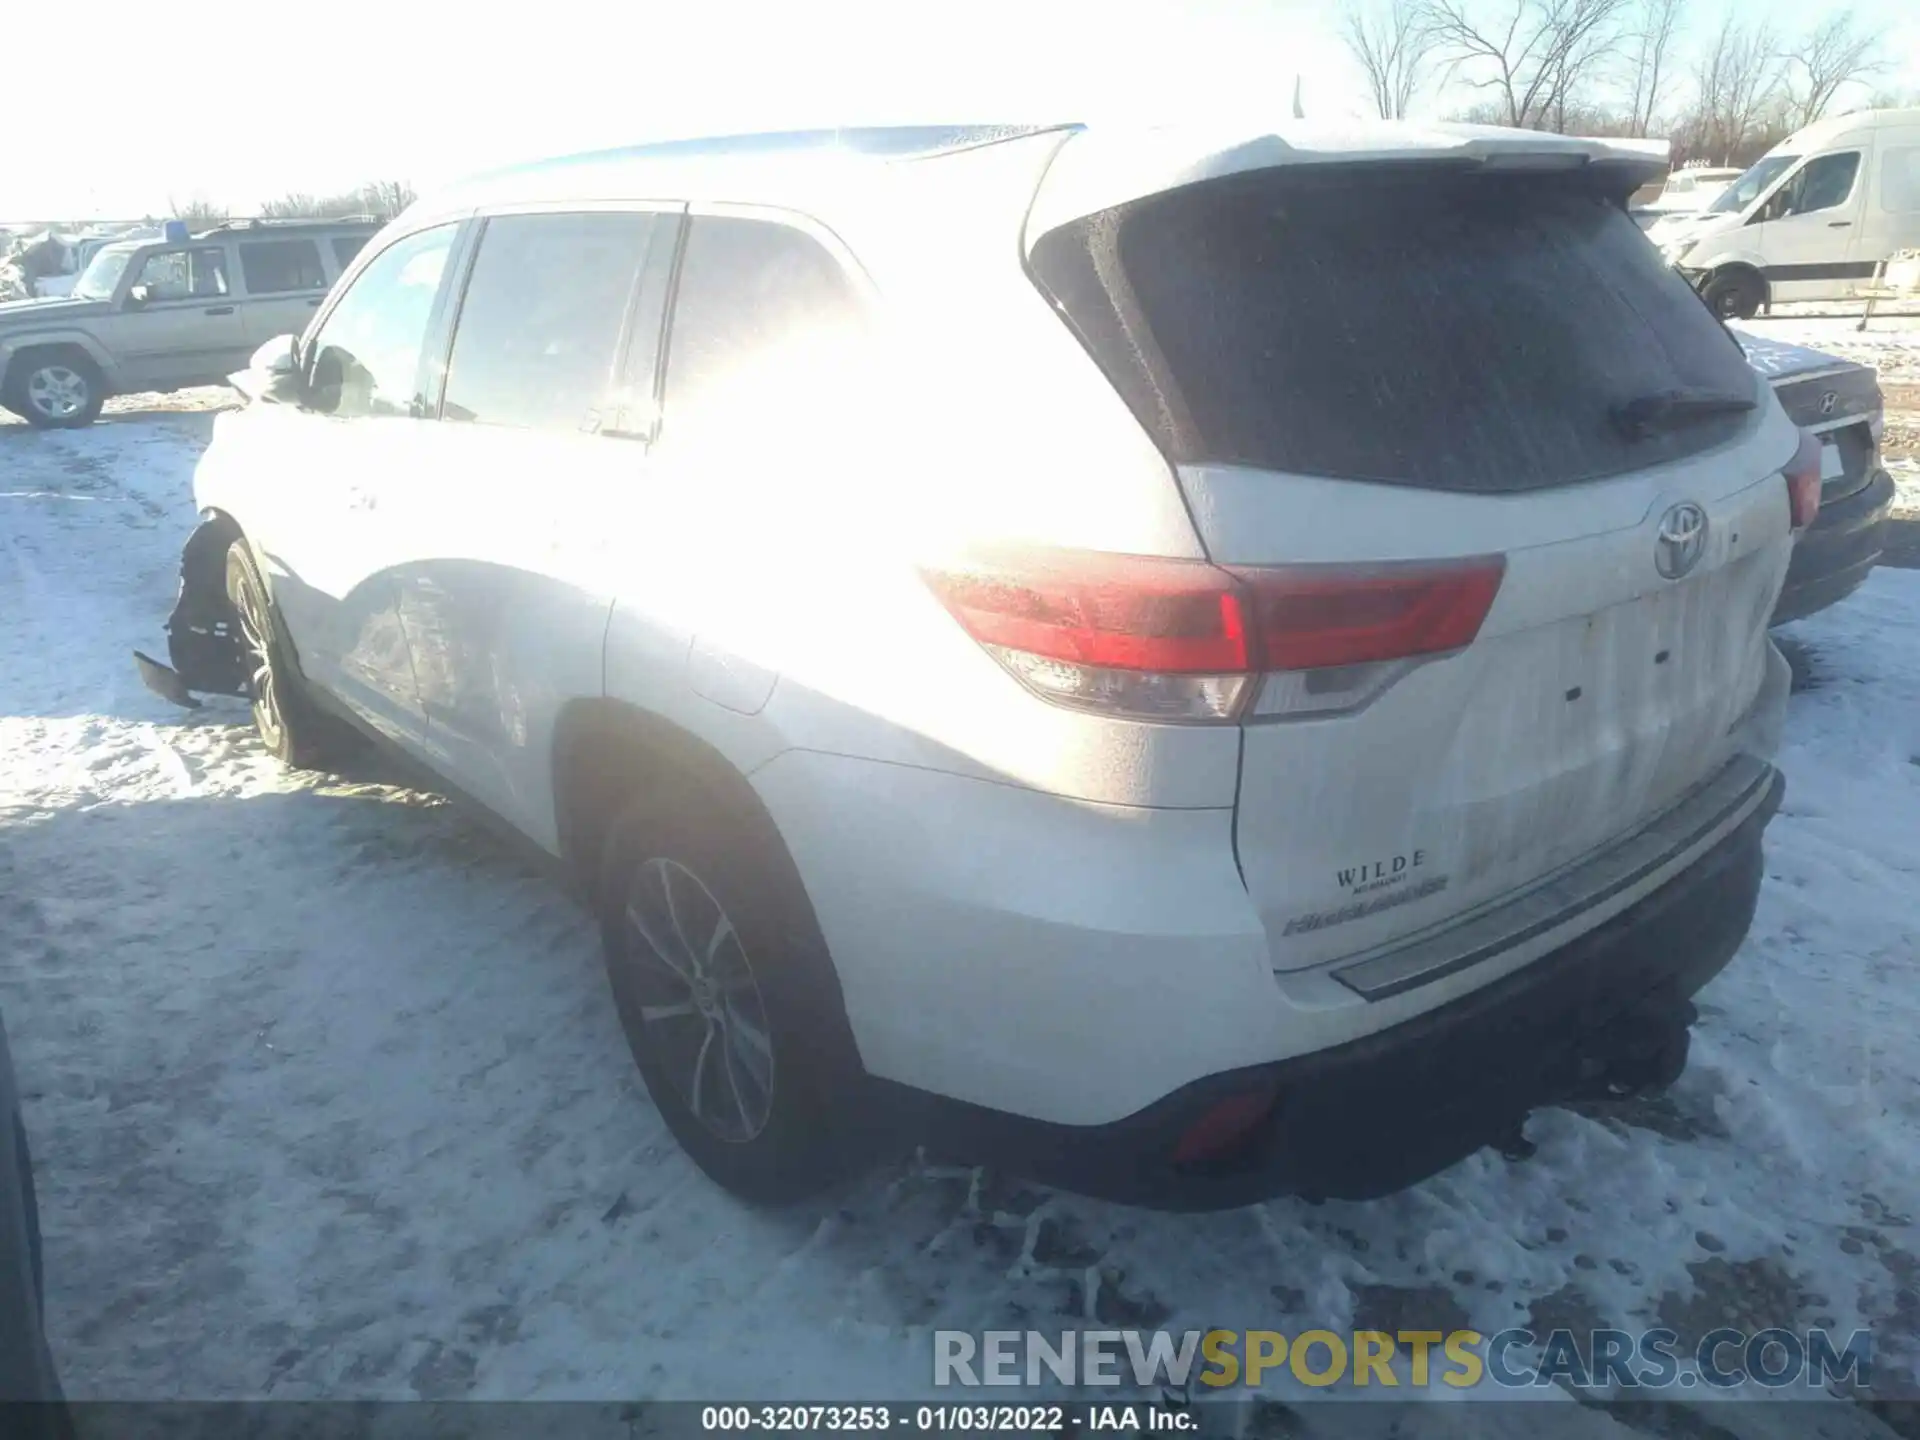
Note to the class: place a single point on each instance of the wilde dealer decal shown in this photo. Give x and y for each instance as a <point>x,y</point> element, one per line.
<point>1385,884</point>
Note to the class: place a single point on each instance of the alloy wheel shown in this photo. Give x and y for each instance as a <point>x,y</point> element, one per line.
<point>58,392</point>
<point>699,1001</point>
<point>256,631</point>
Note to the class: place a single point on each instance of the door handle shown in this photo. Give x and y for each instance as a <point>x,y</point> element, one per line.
<point>1838,224</point>
<point>219,310</point>
<point>314,304</point>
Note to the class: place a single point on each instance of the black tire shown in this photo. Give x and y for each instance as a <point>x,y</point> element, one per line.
<point>1734,294</point>
<point>810,1131</point>
<point>291,727</point>
<point>55,389</point>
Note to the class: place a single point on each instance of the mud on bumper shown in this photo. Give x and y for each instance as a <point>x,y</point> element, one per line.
<point>1609,1011</point>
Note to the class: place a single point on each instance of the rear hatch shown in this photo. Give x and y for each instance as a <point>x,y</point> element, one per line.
<point>1362,366</point>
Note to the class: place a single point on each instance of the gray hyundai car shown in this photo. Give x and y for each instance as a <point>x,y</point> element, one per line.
<point>1839,401</point>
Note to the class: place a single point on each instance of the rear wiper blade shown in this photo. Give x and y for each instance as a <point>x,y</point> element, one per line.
<point>1644,414</point>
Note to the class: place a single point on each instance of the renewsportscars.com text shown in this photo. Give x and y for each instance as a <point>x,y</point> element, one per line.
<point>1459,1359</point>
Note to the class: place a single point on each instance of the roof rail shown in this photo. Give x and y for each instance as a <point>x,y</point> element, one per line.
<point>290,222</point>
<point>891,142</point>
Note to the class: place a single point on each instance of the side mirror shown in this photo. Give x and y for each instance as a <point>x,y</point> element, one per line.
<point>273,373</point>
<point>138,297</point>
<point>276,358</point>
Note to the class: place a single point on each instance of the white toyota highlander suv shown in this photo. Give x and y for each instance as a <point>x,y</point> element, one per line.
<point>1200,664</point>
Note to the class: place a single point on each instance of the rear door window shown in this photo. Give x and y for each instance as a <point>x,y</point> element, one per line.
<point>277,267</point>
<point>538,339</point>
<point>762,320</point>
<point>345,247</point>
<point>1900,180</point>
<point>1410,326</point>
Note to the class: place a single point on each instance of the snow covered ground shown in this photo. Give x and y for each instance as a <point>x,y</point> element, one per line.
<point>328,1098</point>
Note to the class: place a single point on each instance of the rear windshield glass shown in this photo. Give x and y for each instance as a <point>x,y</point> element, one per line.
<point>1445,330</point>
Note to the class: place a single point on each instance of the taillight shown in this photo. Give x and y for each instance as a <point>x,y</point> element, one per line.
<point>1184,640</point>
<point>1803,481</point>
<point>1149,638</point>
<point>1311,617</point>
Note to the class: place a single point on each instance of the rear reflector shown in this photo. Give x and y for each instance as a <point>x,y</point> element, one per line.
<point>1803,481</point>
<point>1151,638</point>
<point>1222,1125</point>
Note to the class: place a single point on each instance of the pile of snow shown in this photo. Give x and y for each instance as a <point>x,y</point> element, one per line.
<point>1905,470</point>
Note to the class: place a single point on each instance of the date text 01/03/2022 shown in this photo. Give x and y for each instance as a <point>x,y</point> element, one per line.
<point>997,1419</point>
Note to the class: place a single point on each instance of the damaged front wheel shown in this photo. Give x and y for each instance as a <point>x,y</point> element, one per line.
<point>291,727</point>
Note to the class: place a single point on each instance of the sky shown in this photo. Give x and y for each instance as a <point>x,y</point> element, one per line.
<point>321,97</point>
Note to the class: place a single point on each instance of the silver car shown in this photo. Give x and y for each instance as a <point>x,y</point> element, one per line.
<point>165,314</point>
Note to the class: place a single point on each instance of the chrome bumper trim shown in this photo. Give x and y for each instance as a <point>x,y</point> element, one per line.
<point>1642,862</point>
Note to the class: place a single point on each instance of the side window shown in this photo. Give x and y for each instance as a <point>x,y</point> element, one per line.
<point>1822,183</point>
<point>197,274</point>
<point>765,326</point>
<point>275,267</point>
<point>345,247</point>
<point>365,359</point>
<point>1900,180</point>
<point>539,329</point>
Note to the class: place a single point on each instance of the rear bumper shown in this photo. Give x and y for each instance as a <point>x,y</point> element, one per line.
<point>1837,554</point>
<point>1383,1112</point>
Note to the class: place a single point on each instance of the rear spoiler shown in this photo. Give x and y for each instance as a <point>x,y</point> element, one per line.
<point>1099,167</point>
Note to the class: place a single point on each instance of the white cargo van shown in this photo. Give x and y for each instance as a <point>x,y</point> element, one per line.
<point>1810,219</point>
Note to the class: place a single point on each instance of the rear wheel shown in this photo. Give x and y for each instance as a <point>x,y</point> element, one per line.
<point>55,389</point>
<point>730,1003</point>
<point>1734,294</point>
<point>290,726</point>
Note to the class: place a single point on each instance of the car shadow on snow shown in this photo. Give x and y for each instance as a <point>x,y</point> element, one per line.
<point>1902,550</point>
<point>1803,660</point>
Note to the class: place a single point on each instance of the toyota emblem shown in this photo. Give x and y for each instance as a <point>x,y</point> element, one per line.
<point>1681,541</point>
<point>1828,401</point>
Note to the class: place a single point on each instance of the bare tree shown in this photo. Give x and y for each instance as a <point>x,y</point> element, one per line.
<point>1739,81</point>
<point>387,198</point>
<point>1533,55</point>
<point>381,198</point>
<point>197,210</point>
<point>1652,38</point>
<point>1391,44</point>
<point>296,205</point>
<point>1830,55</point>
<point>1892,100</point>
